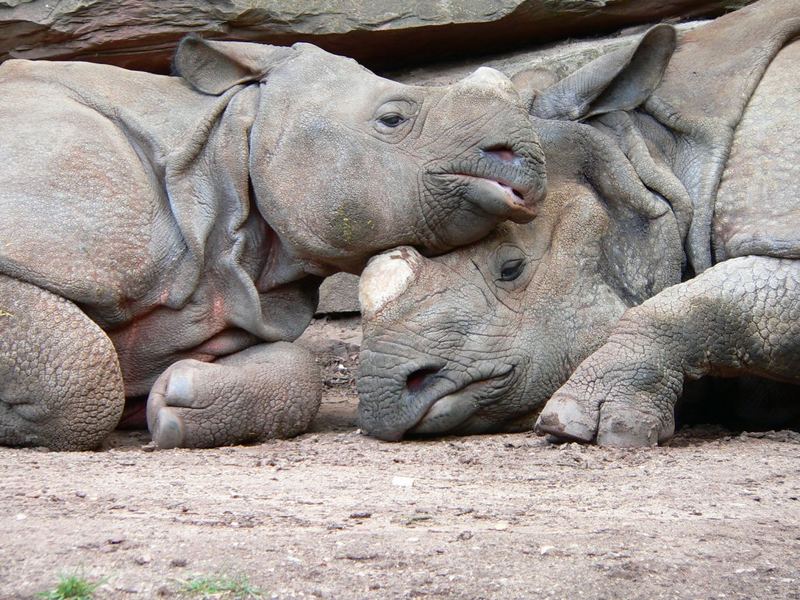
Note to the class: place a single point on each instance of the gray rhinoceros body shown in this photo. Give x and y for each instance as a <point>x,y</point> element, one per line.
<point>149,219</point>
<point>665,251</point>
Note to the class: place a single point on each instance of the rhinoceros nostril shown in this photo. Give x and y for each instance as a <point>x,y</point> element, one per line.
<point>418,379</point>
<point>503,153</point>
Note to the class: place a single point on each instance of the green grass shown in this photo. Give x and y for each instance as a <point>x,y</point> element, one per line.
<point>72,587</point>
<point>221,587</point>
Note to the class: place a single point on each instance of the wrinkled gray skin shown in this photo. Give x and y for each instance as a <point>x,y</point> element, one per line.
<point>645,188</point>
<point>167,235</point>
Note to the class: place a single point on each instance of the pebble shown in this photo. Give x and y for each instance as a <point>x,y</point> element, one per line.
<point>361,515</point>
<point>178,562</point>
<point>406,482</point>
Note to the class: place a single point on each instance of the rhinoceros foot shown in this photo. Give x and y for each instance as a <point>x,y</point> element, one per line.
<point>622,395</point>
<point>267,391</point>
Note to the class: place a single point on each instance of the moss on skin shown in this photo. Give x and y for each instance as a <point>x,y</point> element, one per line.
<point>348,226</point>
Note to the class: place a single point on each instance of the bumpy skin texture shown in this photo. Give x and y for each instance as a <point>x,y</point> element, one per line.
<point>59,377</point>
<point>740,318</point>
<point>684,163</point>
<point>191,219</point>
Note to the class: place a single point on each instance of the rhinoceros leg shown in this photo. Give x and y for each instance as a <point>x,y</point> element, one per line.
<point>60,382</point>
<point>740,317</point>
<point>266,391</point>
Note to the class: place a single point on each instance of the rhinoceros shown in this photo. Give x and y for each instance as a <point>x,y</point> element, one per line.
<point>166,235</point>
<point>665,251</point>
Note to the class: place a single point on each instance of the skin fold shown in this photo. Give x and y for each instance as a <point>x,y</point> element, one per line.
<point>665,251</point>
<point>166,236</point>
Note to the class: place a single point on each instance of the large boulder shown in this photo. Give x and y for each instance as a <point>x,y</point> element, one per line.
<point>142,34</point>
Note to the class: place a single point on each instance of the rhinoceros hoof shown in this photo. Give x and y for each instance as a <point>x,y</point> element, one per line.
<point>174,393</point>
<point>200,405</point>
<point>272,390</point>
<point>611,421</point>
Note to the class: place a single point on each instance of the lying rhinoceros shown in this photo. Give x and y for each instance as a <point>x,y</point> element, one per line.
<point>692,176</point>
<point>168,234</point>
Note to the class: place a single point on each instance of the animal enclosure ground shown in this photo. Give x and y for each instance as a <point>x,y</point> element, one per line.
<point>334,514</point>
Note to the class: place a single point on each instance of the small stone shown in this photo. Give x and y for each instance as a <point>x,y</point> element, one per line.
<point>501,526</point>
<point>405,482</point>
<point>545,550</point>
<point>178,562</point>
<point>361,515</point>
<point>80,494</point>
<point>21,516</point>
<point>464,536</point>
<point>144,559</point>
<point>116,540</point>
<point>127,589</point>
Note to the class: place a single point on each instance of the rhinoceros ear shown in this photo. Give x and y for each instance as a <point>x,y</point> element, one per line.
<point>620,80</point>
<point>213,67</point>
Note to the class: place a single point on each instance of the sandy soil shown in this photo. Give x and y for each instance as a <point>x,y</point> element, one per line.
<point>334,514</point>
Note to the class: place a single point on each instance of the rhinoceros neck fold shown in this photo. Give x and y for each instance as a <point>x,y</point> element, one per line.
<point>229,245</point>
<point>206,186</point>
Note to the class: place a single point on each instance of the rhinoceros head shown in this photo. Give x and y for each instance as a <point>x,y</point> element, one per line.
<point>478,339</point>
<point>344,163</point>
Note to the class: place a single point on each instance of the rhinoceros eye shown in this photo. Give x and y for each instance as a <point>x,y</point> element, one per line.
<point>392,120</point>
<point>512,269</point>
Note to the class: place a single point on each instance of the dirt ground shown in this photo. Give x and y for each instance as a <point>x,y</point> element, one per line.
<point>334,514</point>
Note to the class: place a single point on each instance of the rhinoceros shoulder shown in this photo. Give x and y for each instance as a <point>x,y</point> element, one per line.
<point>758,203</point>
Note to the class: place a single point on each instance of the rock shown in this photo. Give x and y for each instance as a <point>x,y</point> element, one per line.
<point>550,62</point>
<point>361,515</point>
<point>141,34</point>
<point>339,294</point>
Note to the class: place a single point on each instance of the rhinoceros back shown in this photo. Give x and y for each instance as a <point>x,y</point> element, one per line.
<point>757,210</point>
<point>83,210</point>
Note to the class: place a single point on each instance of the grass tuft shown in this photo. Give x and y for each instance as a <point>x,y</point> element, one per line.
<point>221,587</point>
<point>72,587</point>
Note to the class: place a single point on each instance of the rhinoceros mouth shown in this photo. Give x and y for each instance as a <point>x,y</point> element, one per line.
<point>450,410</point>
<point>514,192</point>
<point>508,195</point>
